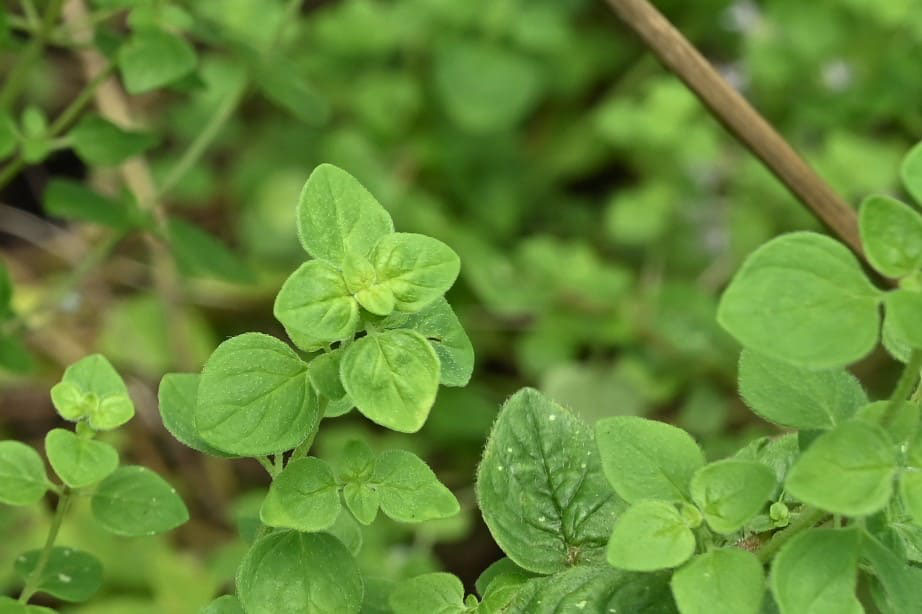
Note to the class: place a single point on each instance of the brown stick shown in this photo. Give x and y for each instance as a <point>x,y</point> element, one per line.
<point>740,118</point>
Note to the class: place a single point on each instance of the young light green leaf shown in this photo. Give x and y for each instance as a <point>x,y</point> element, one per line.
<point>348,531</point>
<point>891,234</point>
<point>911,172</point>
<point>337,215</point>
<point>91,389</point>
<point>323,372</point>
<point>393,378</point>
<point>646,459</point>
<point>273,576</point>
<point>795,397</point>
<point>79,461</point>
<point>541,488</point>
<point>730,492</point>
<point>254,397</point>
<point>362,500</point>
<point>226,604</point>
<point>816,572</point>
<point>360,495</point>
<point>848,470</point>
<point>416,269</point>
<point>903,308</point>
<point>650,535</point>
<point>69,574</point>
<point>178,396</point>
<point>72,201</point>
<point>153,58</point>
<point>432,592</point>
<point>438,323</point>
<point>134,501</point>
<point>726,581</point>
<point>304,497</point>
<point>315,306</point>
<point>590,588</point>
<point>803,298</point>
<point>22,474</point>
<point>408,489</point>
<point>199,253</point>
<point>99,142</point>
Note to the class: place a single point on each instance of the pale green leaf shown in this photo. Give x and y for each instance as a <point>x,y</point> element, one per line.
<point>91,389</point>
<point>392,377</point>
<point>803,298</point>
<point>650,535</point>
<point>289,571</point>
<point>254,397</point>
<point>902,316</point>
<point>135,501</point>
<point>79,461</point>
<point>891,234</point>
<point>848,470</point>
<point>541,488</point>
<point>730,492</point>
<point>415,268</point>
<point>911,493</point>
<point>647,459</point>
<point>178,396</point>
<point>337,215</point>
<point>22,474</point>
<point>408,489</point>
<point>304,497</point>
<point>901,582</point>
<point>435,593</point>
<point>315,306</point>
<point>438,323</point>
<point>726,581</point>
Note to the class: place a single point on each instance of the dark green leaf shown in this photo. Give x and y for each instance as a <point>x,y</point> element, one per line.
<point>70,575</point>
<point>135,501</point>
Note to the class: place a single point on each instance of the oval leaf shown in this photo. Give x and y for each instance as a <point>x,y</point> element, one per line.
<point>439,324</point>
<point>315,306</point>
<point>135,501</point>
<point>178,396</point>
<point>891,234</point>
<point>69,574</point>
<point>902,317</point>
<point>254,397</point>
<point>22,474</point>
<point>408,490</point>
<point>393,378</point>
<point>728,581</point>
<point>730,492</point>
<point>431,592</point>
<point>304,497</point>
<point>803,298</point>
<point>541,489</point>
<point>650,535</point>
<point>79,461</point>
<point>415,268</point>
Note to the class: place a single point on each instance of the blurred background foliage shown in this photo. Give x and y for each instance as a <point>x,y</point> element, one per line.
<point>597,208</point>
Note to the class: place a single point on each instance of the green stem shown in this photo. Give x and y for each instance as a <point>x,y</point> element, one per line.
<point>80,101</point>
<point>807,519</point>
<point>267,465</point>
<point>904,386</point>
<point>32,582</point>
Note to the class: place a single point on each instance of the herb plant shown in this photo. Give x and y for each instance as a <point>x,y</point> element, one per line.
<point>126,500</point>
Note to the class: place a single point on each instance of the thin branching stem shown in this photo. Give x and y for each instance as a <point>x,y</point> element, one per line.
<point>32,582</point>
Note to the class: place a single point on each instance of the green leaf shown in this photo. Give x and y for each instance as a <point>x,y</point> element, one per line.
<point>153,58</point>
<point>363,501</point>
<point>408,489</point>
<point>650,535</point>
<point>8,605</point>
<point>226,604</point>
<point>795,397</point>
<point>392,377</point>
<point>803,298</point>
<point>283,83</point>
<point>438,323</point>
<point>348,531</point>
<point>79,461</point>
<point>273,576</point>
<point>589,589</point>
<point>178,397</point>
<point>726,581</point>
<point>92,389</point>
<point>36,143</point>
<point>891,234</point>
<point>541,488</point>
<point>22,474</point>
<point>438,592</point>
<point>14,355</point>
<point>254,397</point>
<point>901,582</point>
<point>70,200</point>
<point>199,253</point>
<point>485,87</point>
<point>337,215</point>
<point>416,269</point>
<point>304,497</point>
<point>134,501</point>
<point>500,571</point>
<point>315,306</point>
<point>646,459</point>
<point>911,172</point>
<point>902,316</point>
<point>99,142</point>
<point>323,372</point>
<point>848,470</point>
<point>69,574</point>
<point>730,492</point>
<point>359,494</point>
<point>911,493</point>
<point>816,572</point>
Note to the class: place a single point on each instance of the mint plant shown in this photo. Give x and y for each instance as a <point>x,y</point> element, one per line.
<point>635,519</point>
<point>373,331</point>
<point>126,500</point>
